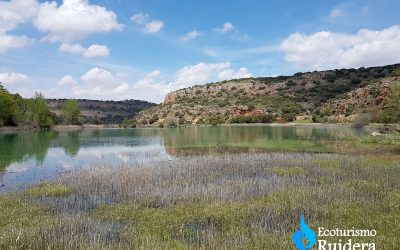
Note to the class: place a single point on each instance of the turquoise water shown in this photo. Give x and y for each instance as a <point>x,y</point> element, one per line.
<point>28,157</point>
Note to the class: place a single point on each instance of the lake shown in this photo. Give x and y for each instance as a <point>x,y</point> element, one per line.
<point>29,157</point>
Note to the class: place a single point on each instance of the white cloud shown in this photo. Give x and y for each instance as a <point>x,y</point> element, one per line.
<point>153,26</point>
<point>335,13</point>
<point>206,72</point>
<point>140,18</point>
<point>149,26</point>
<point>101,84</point>
<point>93,51</point>
<point>8,42</point>
<point>150,89</point>
<point>96,50</point>
<point>121,89</point>
<point>74,19</point>
<point>190,36</point>
<point>98,76</point>
<point>13,78</point>
<point>67,81</point>
<point>326,50</point>
<point>226,27</point>
<point>154,74</point>
<point>13,13</point>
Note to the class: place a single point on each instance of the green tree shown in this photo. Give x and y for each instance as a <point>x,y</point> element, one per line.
<point>2,89</point>
<point>71,112</point>
<point>41,113</point>
<point>391,112</point>
<point>6,107</point>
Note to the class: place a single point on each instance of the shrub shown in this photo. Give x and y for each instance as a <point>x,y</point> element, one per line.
<point>71,112</point>
<point>362,120</point>
<point>253,119</point>
<point>215,120</point>
<point>391,112</point>
<point>356,81</point>
<point>153,119</point>
<point>171,122</point>
<point>330,77</point>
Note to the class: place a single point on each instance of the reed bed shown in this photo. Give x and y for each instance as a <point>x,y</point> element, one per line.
<point>221,201</point>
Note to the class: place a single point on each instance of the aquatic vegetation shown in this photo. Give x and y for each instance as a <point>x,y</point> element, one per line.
<point>291,171</point>
<point>47,189</point>
<point>232,201</point>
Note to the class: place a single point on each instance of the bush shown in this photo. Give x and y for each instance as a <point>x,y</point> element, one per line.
<point>291,83</point>
<point>153,119</point>
<point>362,120</point>
<point>128,123</point>
<point>330,77</point>
<point>356,81</point>
<point>171,122</point>
<point>391,112</point>
<point>252,119</point>
<point>215,120</point>
<point>70,112</point>
<point>289,117</point>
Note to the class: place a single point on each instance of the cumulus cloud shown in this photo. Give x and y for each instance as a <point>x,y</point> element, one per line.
<point>326,50</point>
<point>206,72</point>
<point>13,78</point>
<point>150,89</point>
<point>121,89</point>
<point>67,81</point>
<point>12,14</point>
<point>99,83</point>
<point>74,19</point>
<point>93,51</point>
<point>226,27</point>
<point>149,26</point>
<point>98,76</point>
<point>154,73</point>
<point>15,12</point>
<point>8,42</point>
<point>190,36</point>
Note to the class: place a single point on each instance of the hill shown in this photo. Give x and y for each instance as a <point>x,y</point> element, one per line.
<point>103,112</point>
<point>333,95</point>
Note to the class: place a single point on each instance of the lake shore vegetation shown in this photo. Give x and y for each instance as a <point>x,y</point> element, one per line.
<point>235,201</point>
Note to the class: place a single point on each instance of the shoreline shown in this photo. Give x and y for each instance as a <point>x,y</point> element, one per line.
<point>373,127</point>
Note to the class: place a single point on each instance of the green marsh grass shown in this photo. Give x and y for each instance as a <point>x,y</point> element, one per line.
<point>224,201</point>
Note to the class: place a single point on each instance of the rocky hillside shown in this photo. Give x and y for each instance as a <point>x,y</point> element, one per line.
<point>103,112</point>
<point>336,95</point>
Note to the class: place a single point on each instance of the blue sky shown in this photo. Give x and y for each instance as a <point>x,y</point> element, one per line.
<point>144,49</point>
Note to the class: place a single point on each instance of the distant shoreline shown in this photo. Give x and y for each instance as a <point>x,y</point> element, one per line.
<point>60,127</point>
<point>374,127</point>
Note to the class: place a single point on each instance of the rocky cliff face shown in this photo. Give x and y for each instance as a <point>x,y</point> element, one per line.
<point>337,94</point>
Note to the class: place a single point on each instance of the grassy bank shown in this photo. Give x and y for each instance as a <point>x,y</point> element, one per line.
<point>240,201</point>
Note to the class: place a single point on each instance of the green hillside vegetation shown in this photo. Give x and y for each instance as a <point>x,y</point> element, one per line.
<point>15,110</point>
<point>326,96</point>
<point>102,112</point>
<point>38,112</point>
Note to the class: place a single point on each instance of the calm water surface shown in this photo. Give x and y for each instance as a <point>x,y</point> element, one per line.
<point>28,157</point>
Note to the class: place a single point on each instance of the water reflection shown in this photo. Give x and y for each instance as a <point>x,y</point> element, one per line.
<point>31,156</point>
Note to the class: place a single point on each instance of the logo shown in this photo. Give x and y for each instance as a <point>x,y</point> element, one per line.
<point>304,238</point>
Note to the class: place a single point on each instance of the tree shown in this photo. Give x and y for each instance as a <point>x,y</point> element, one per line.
<point>6,107</point>
<point>391,112</point>
<point>40,111</point>
<point>71,112</point>
<point>2,89</point>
